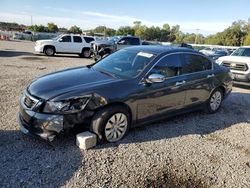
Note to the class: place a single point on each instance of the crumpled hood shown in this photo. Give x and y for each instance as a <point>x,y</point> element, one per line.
<point>69,80</point>
<point>104,42</point>
<point>238,59</point>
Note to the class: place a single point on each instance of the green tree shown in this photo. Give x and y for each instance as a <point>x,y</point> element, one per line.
<point>190,38</point>
<point>141,32</point>
<point>174,32</point>
<point>166,27</point>
<point>109,32</point>
<point>125,30</point>
<point>247,39</point>
<point>52,28</point>
<point>179,37</point>
<point>63,30</point>
<point>37,28</point>
<point>74,29</point>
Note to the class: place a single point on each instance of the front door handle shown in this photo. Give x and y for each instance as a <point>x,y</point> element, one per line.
<point>180,83</point>
<point>210,75</point>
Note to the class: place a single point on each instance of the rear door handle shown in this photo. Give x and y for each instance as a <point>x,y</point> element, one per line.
<point>180,83</point>
<point>210,75</point>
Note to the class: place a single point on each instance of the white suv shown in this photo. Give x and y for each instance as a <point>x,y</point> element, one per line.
<point>67,44</point>
<point>239,64</point>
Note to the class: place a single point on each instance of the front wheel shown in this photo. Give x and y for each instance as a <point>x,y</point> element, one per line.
<point>214,101</point>
<point>111,124</point>
<point>49,51</point>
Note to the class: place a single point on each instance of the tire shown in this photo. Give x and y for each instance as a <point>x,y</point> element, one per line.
<point>85,53</point>
<point>49,51</point>
<point>214,102</point>
<point>111,124</point>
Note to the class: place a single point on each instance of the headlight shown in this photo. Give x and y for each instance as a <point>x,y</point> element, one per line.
<point>218,61</point>
<point>66,107</point>
<point>231,75</point>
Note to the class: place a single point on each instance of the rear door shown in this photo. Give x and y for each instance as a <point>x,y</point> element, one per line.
<point>199,75</point>
<point>77,45</point>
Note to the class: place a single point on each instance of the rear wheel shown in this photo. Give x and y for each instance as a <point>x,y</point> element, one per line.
<point>111,124</point>
<point>85,53</point>
<point>214,101</point>
<point>49,51</point>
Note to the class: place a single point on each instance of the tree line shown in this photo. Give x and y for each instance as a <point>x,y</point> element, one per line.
<point>235,35</point>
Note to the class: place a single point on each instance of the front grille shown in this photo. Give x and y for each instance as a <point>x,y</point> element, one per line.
<point>235,66</point>
<point>29,101</point>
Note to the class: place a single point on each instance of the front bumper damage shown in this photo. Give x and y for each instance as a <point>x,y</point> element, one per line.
<point>98,51</point>
<point>44,126</point>
<point>33,122</point>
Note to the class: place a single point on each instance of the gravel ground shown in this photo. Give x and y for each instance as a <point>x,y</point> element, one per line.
<point>191,150</point>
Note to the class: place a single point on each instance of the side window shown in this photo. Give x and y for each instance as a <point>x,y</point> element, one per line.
<point>169,66</point>
<point>88,39</point>
<point>246,52</point>
<point>124,41</point>
<point>134,41</point>
<point>195,63</point>
<point>77,39</point>
<point>207,64</point>
<point>66,39</point>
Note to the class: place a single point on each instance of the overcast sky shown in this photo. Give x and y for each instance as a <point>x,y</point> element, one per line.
<point>208,16</point>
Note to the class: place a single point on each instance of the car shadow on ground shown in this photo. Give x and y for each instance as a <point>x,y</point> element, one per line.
<point>62,55</point>
<point>10,53</point>
<point>28,162</point>
<point>234,110</point>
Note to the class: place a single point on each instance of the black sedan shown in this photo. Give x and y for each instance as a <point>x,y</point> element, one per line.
<point>130,87</point>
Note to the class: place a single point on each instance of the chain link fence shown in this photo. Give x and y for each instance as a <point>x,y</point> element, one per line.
<point>24,36</point>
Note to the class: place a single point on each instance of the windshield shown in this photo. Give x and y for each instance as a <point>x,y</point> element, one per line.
<point>56,38</point>
<point>124,63</point>
<point>242,52</point>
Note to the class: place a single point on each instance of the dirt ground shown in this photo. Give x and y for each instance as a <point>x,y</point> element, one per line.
<point>191,150</point>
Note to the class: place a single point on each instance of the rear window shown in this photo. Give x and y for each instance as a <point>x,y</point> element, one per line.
<point>195,63</point>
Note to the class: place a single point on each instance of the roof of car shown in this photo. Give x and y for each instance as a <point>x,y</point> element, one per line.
<point>157,49</point>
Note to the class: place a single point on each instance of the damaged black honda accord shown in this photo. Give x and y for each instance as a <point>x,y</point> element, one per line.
<point>132,86</point>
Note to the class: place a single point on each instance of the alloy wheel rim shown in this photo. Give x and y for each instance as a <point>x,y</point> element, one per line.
<point>215,100</point>
<point>49,51</point>
<point>86,53</point>
<point>116,127</point>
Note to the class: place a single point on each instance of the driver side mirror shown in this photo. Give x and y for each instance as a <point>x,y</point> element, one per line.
<point>155,78</point>
<point>60,40</point>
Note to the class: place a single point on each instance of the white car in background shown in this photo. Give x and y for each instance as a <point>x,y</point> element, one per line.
<point>66,44</point>
<point>239,64</point>
<point>208,51</point>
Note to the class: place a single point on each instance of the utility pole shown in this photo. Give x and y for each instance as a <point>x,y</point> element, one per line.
<point>196,38</point>
<point>31,20</point>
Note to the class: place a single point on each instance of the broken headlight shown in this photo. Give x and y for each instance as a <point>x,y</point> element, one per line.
<point>66,107</point>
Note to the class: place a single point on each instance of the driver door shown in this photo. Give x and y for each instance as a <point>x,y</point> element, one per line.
<point>64,44</point>
<point>155,99</point>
